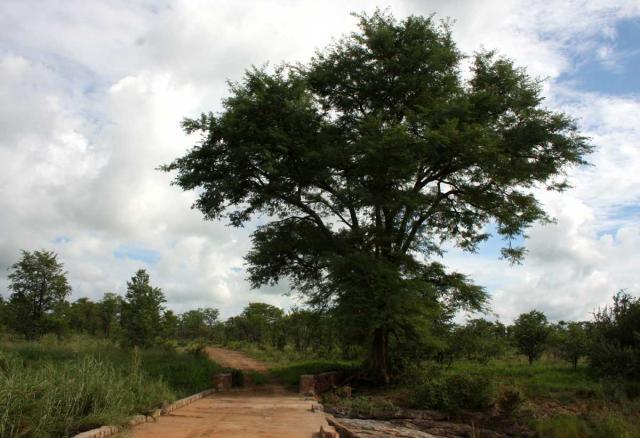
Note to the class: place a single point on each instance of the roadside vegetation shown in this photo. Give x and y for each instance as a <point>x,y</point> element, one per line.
<point>68,367</point>
<point>531,378</point>
<point>54,387</point>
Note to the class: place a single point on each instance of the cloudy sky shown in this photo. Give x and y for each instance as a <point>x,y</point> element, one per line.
<point>92,93</point>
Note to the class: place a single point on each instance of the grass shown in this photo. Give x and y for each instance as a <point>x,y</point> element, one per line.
<point>541,379</point>
<point>289,374</point>
<point>571,426</point>
<point>52,388</point>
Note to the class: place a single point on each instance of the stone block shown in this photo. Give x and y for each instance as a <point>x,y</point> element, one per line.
<point>307,384</point>
<point>222,382</point>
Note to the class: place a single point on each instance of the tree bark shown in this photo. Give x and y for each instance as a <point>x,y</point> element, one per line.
<point>380,359</point>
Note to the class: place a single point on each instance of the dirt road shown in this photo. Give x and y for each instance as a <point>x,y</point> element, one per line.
<point>235,359</point>
<point>268,411</point>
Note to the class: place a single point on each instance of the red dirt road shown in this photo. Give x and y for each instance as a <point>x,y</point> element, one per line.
<point>268,411</point>
<point>235,359</point>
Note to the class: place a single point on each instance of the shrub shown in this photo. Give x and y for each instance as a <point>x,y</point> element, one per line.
<point>455,392</point>
<point>616,348</point>
<point>510,400</point>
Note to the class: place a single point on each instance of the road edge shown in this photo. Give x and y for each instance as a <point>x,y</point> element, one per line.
<point>105,431</point>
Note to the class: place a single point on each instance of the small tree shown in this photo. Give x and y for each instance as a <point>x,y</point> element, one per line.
<point>109,310</point>
<point>571,341</point>
<point>480,340</point>
<point>39,285</point>
<point>211,321</point>
<point>170,324</point>
<point>262,322</point>
<point>141,310</point>
<point>192,324</point>
<point>530,332</point>
<point>83,317</point>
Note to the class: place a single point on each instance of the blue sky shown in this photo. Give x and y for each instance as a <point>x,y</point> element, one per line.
<point>92,94</point>
<point>612,69</point>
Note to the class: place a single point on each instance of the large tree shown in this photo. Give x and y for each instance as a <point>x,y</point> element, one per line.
<point>368,159</point>
<point>39,285</point>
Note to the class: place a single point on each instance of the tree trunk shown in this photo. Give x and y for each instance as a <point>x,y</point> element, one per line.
<point>380,356</point>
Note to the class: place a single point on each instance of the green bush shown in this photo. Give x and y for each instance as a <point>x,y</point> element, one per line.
<point>615,350</point>
<point>455,392</point>
<point>509,400</point>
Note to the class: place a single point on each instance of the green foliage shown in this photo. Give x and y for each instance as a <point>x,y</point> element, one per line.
<point>616,342</point>
<point>258,323</point>
<point>568,426</point>
<point>571,341</point>
<point>453,392</point>
<point>56,388</point>
<point>38,307</point>
<point>83,316</point>
<point>509,400</point>
<point>299,334</point>
<point>369,159</point>
<point>199,323</point>
<point>530,332</point>
<point>544,378</point>
<point>479,340</point>
<point>141,311</point>
<point>185,374</point>
<point>4,315</point>
<point>61,398</point>
<point>39,286</point>
<point>289,374</point>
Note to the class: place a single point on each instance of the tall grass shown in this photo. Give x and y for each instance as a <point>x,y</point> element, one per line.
<point>61,398</point>
<point>54,389</point>
<point>543,378</point>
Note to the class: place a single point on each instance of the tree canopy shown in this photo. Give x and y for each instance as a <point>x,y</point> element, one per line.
<point>530,332</point>
<point>370,158</point>
<point>142,308</point>
<point>38,283</point>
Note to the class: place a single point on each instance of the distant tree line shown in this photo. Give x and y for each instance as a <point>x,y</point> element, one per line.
<point>37,305</point>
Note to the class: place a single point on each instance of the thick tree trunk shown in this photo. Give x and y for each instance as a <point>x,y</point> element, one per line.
<point>380,354</point>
